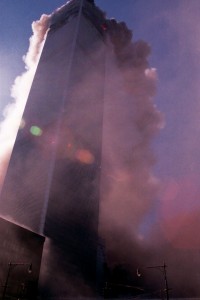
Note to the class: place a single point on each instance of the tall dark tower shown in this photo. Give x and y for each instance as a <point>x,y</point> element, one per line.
<point>53,180</point>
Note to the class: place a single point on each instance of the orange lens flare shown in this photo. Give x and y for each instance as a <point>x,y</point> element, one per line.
<point>84,156</point>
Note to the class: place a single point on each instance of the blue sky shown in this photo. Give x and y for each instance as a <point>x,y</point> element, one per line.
<point>172,28</point>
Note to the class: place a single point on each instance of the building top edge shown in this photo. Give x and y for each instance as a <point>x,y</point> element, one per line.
<point>71,8</point>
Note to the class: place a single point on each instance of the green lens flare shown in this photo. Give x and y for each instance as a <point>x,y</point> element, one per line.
<point>35,130</point>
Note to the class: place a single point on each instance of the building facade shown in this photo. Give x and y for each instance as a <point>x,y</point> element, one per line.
<point>20,259</point>
<point>53,180</point>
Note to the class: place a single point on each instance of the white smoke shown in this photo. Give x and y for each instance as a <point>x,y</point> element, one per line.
<point>20,90</point>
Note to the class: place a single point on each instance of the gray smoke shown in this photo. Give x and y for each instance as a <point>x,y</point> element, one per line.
<point>131,191</point>
<point>131,121</point>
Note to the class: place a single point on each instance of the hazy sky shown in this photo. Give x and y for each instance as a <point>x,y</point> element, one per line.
<point>172,28</point>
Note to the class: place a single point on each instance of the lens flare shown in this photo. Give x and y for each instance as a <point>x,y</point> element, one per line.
<point>35,130</point>
<point>84,156</point>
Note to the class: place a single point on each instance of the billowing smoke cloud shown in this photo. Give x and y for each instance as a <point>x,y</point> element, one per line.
<point>13,112</point>
<point>129,189</point>
<point>131,121</point>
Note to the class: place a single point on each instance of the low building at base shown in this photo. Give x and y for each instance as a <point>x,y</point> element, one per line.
<point>20,259</point>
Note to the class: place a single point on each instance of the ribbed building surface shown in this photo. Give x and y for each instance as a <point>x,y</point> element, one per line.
<point>53,180</point>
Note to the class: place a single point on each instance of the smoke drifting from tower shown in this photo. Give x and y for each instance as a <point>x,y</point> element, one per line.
<point>130,122</point>
<point>20,90</point>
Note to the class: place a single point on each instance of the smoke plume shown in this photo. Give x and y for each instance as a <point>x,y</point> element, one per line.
<point>20,90</point>
<point>131,121</point>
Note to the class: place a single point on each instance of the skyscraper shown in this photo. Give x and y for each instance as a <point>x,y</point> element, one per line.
<point>53,180</point>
